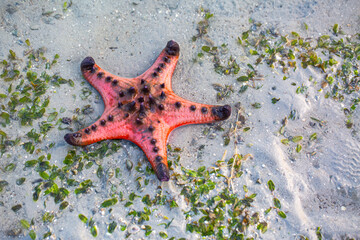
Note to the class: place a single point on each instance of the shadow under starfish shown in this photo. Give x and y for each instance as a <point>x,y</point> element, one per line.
<point>143,109</point>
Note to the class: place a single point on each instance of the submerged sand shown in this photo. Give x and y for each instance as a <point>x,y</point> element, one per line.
<point>125,37</point>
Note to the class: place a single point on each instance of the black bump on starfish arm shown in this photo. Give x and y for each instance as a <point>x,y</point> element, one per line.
<point>146,89</point>
<point>222,112</point>
<point>131,90</point>
<point>87,64</point>
<point>204,110</point>
<point>131,106</point>
<point>172,48</point>
<point>162,172</point>
<point>70,138</point>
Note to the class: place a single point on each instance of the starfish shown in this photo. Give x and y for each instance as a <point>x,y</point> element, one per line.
<point>143,109</point>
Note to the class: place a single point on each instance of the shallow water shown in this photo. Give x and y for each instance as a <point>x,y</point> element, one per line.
<point>317,187</point>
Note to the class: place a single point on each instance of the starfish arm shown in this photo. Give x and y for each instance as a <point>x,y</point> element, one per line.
<point>163,68</point>
<point>179,111</point>
<point>102,129</point>
<point>153,143</point>
<point>108,85</point>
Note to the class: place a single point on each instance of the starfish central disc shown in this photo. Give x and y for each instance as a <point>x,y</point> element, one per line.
<point>143,109</point>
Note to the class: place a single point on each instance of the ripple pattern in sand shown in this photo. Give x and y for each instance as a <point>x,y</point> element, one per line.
<point>346,161</point>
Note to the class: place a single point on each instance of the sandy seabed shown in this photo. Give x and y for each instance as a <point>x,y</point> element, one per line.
<point>125,37</point>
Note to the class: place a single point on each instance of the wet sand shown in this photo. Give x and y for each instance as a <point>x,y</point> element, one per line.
<point>320,190</point>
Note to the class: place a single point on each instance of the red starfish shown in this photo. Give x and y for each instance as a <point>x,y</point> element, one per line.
<point>143,109</point>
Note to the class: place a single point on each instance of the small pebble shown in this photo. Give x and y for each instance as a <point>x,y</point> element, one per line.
<point>58,16</point>
<point>66,120</point>
<point>102,211</point>
<point>35,27</point>
<point>11,9</point>
<point>133,229</point>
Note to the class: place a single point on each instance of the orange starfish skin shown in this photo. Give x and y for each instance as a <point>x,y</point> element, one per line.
<point>143,109</point>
